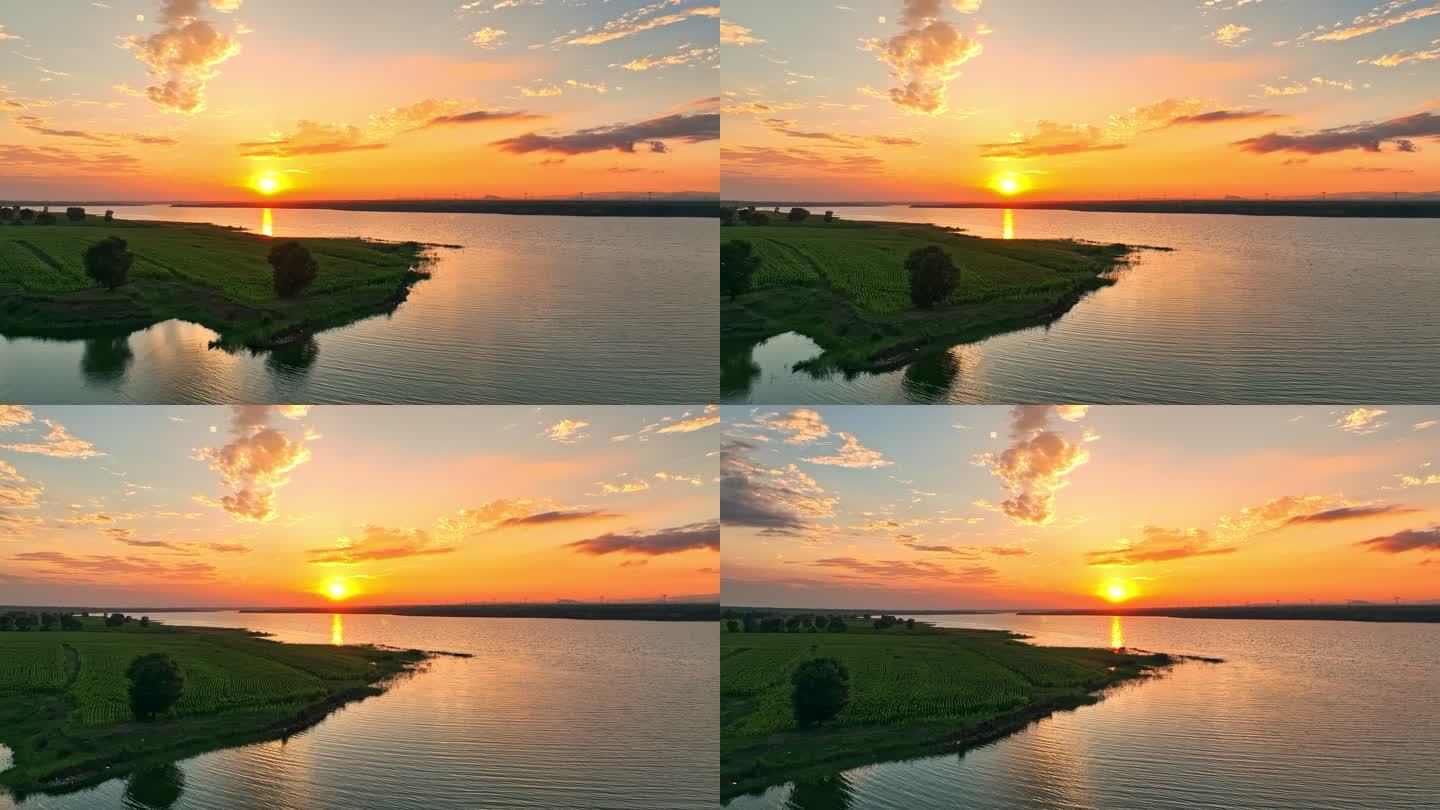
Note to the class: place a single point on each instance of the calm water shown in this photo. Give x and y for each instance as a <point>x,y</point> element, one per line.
<point>531,310</point>
<point>1246,310</point>
<point>1312,715</point>
<point>549,713</point>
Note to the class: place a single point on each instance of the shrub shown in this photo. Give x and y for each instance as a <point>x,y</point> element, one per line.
<point>829,216</point>
<point>294,267</point>
<point>797,214</point>
<point>6,213</point>
<point>75,214</point>
<point>759,218</point>
<point>45,218</point>
<point>155,684</point>
<point>108,262</point>
<point>820,689</point>
<point>727,215</point>
<point>109,216</point>
<point>932,276</point>
<point>27,214</point>
<point>737,267</point>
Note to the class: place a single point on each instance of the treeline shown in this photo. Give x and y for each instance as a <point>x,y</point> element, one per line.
<point>729,215</point>
<point>15,215</point>
<point>24,621</point>
<point>759,621</point>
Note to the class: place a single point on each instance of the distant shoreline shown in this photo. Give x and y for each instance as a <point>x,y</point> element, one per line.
<point>708,209</point>
<point>1350,613</point>
<point>1398,209</point>
<point>648,612</point>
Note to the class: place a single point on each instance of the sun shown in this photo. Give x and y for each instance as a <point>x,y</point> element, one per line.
<point>266,184</point>
<point>1008,184</point>
<point>1116,591</point>
<point>337,590</point>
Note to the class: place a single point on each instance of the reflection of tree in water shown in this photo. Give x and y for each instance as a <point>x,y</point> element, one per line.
<point>106,359</point>
<point>737,368</point>
<point>155,788</point>
<point>830,793</point>
<point>930,376</point>
<point>293,359</point>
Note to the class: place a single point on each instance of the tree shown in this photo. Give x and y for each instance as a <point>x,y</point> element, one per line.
<point>797,214</point>
<point>145,621</point>
<point>759,218</point>
<point>727,215</point>
<point>932,276</point>
<point>27,214</point>
<point>733,626</point>
<point>155,684</point>
<point>109,216</point>
<point>108,262</point>
<point>737,267</point>
<point>48,621</point>
<point>838,624</point>
<point>294,267</point>
<point>829,216</point>
<point>114,619</point>
<point>820,689</point>
<point>909,624</point>
<point>6,213</point>
<point>75,214</point>
<point>45,218</point>
<point>69,622</point>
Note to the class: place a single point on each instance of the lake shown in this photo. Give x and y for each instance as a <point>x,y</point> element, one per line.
<point>1245,310</point>
<point>549,713</point>
<point>1302,714</point>
<point>531,310</point>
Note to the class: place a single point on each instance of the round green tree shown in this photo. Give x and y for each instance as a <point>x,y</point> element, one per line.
<point>737,267</point>
<point>108,262</point>
<point>294,268</point>
<point>155,684</point>
<point>821,688</point>
<point>933,276</point>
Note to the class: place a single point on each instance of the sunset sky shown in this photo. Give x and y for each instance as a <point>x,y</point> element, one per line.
<point>1053,506</point>
<point>946,99</point>
<point>201,99</point>
<point>273,505</point>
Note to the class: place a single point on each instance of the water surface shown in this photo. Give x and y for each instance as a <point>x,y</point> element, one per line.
<point>530,310</point>
<point>549,713</point>
<point>1245,310</point>
<point>1303,715</point>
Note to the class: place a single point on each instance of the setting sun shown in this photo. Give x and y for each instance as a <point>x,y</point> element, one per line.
<point>1008,184</point>
<point>1115,591</point>
<point>266,184</point>
<point>337,590</point>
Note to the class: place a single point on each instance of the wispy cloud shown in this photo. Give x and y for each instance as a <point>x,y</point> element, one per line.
<point>703,536</point>
<point>653,134</point>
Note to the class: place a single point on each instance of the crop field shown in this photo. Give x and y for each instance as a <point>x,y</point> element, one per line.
<point>908,690</point>
<point>219,277</point>
<point>64,695</point>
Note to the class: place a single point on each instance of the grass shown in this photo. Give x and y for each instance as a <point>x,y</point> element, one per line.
<point>843,284</point>
<point>211,275</point>
<point>912,693</point>
<point>64,708</point>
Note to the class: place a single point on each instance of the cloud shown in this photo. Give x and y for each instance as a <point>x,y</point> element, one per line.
<point>1223,117</point>
<point>41,126</point>
<point>1230,35</point>
<point>1408,540</point>
<point>1405,57</point>
<point>46,161</point>
<point>1362,421</point>
<point>768,160</point>
<point>1052,138</point>
<point>684,56</point>
<point>15,415</point>
<point>1291,89</point>
<point>1038,462</point>
<point>1378,20</point>
<point>4,35</point>
<point>184,55</point>
<point>904,569</point>
<point>703,536</point>
<point>786,127</point>
<point>1426,424</point>
<point>624,487</point>
<point>645,18</point>
<point>777,500</point>
<point>311,138</point>
<point>690,425</point>
<point>652,133</point>
<point>58,444</point>
<point>1157,544</point>
<point>800,425</point>
<point>924,58</point>
<point>852,454</point>
<point>507,513</point>
<point>1273,514</point>
<point>1347,513</point>
<point>484,117</point>
<point>489,37</point>
<point>109,567</point>
<point>568,431</point>
<point>17,492</point>
<point>255,463</point>
<point>379,543</point>
<point>737,34</point>
<point>1368,136</point>
<point>559,516</point>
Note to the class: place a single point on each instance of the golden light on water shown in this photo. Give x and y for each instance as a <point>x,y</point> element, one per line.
<point>267,222</point>
<point>337,630</point>
<point>1117,633</point>
<point>1007,225</point>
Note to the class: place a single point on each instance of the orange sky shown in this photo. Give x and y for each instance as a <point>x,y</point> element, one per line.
<point>937,99</point>
<point>272,505</point>
<point>1048,506</point>
<point>197,99</point>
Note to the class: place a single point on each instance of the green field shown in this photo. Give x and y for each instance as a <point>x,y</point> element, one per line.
<point>843,284</point>
<point>912,692</point>
<point>65,713</point>
<point>211,275</point>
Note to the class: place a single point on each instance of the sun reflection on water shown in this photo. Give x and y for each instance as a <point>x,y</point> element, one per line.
<point>337,630</point>
<point>267,222</point>
<point>1117,634</point>
<point>1007,225</point>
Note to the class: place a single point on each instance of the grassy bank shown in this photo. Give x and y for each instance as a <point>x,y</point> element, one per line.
<point>913,692</point>
<point>214,276</point>
<point>64,709</point>
<point>843,284</point>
